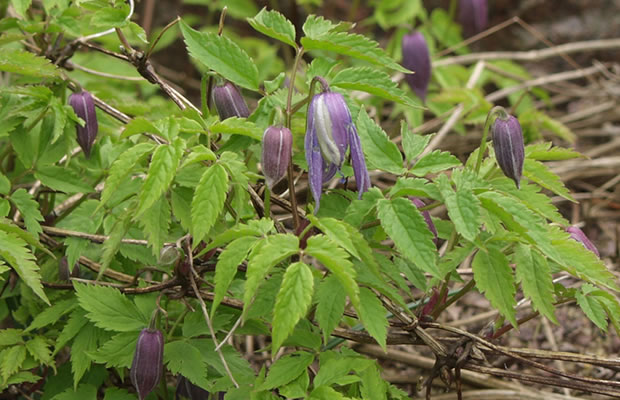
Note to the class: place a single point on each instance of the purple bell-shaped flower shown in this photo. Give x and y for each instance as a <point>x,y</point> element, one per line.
<point>417,58</point>
<point>84,107</point>
<point>473,16</point>
<point>147,366</point>
<point>329,132</point>
<point>277,147</point>
<point>508,145</point>
<point>229,102</point>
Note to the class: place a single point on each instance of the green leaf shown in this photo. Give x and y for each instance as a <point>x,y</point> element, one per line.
<point>316,26</point>
<point>326,393</point>
<point>544,152</point>
<point>5,184</point>
<point>121,168</point>
<point>373,316</point>
<point>463,208</point>
<point>221,55</point>
<point>539,173</point>
<point>82,392</point>
<point>370,80</point>
<point>381,153</point>
<point>183,358</point>
<point>208,201</point>
<point>274,25</point>
<point>156,222</point>
<point>29,209</point>
<point>52,314</point>
<point>593,309</point>
<point>21,6</point>
<point>292,302</point>
<point>109,309</point>
<point>337,231</point>
<point>112,393</point>
<point>413,144</point>
<point>331,302</point>
<point>227,263</point>
<point>25,63</point>
<point>117,351</point>
<point>286,369</point>
<point>267,254</point>
<point>417,187</point>
<point>352,45</point>
<point>110,17</point>
<point>406,227</point>
<point>14,251</point>
<point>337,261</point>
<point>137,126</point>
<point>114,241</point>
<point>77,320</point>
<point>163,167</point>
<point>62,180</point>
<point>238,126</point>
<point>433,162</point>
<point>373,386</point>
<point>39,349</point>
<point>12,360</point>
<point>85,341</point>
<point>534,274</point>
<point>494,278</point>
<point>10,336</point>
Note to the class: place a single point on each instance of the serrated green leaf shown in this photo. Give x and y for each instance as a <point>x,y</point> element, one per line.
<point>11,360</point>
<point>221,55</point>
<point>539,173</point>
<point>25,63</point>
<point>237,126</point>
<point>208,201</point>
<point>137,126</point>
<point>286,369</point>
<point>494,278</point>
<point>118,351</point>
<point>82,392</point>
<point>316,26</point>
<point>352,45</point>
<point>292,302</point>
<point>373,316</point>
<point>109,309</point>
<point>373,386</point>
<point>534,274</point>
<point>113,242</point>
<point>39,349</point>
<point>326,393</point>
<point>10,336</point>
<point>163,167</point>
<point>544,152</point>
<point>417,187</point>
<point>252,228</point>
<point>337,231</point>
<point>381,153</point>
<point>29,209</point>
<point>183,358</point>
<point>593,309</point>
<point>5,184</point>
<point>405,225</point>
<point>433,162</point>
<point>77,320</point>
<point>331,302</point>
<point>463,208</point>
<point>274,25</point>
<point>227,264</point>
<point>14,251</point>
<point>372,81</point>
<point>337,261</point>
<point>358,210</point>
<point>62,180</point>
<point>267,254</point>
<point>413,144</point>
<point>155,223</point>
<point>21,6</point>
<point>121,168</point>
<point>530,195</point>
<point>85,341</point>
<point>52,314</point>
<point>110,17</point>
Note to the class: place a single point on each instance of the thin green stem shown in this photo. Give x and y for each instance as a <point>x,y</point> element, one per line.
<point>493,114</point>
<point>267,202</point>
<point>170,25</point>
<point>466,289</point>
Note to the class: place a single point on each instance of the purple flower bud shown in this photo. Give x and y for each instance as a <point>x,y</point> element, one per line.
<point>578,235</point>
<point>277,147</point>
<point>147,366</point>
<point>417,58</point>
<point>63,269</point>
<point>84,107</point>
<point>427,217</point>
<point>508,145</point>
<point>229,102</point>
<point>329,131</point>
<point>187,390</point>
<point>473,16</point>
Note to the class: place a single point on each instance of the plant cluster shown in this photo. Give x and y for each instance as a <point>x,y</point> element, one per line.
<point>141,234</point>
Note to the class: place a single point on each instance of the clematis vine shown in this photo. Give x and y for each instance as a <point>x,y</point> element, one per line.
<point>329,132</point>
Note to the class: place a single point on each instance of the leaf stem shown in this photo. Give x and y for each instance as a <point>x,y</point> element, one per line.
<point>493,114</point>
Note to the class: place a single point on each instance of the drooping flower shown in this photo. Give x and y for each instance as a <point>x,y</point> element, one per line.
<point>277,147</point>
<point>578,235</point>
<point>508,145</point>
<point>329,132</point>
<point>147,366</point>
<point>229,102</point>
<point>84,106</point>
<point>417,58</point>
<point>473,16</point>
<point>427,218</point>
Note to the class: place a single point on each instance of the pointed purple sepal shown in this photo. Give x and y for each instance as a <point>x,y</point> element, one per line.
<point>417,58</point>
<point>578,235</point>
<point>509,147</point>
<point>147,366</point>
<point>84,106</point>
<point>229,102</point>
<point>473,16</point>
<point>277,147</point>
